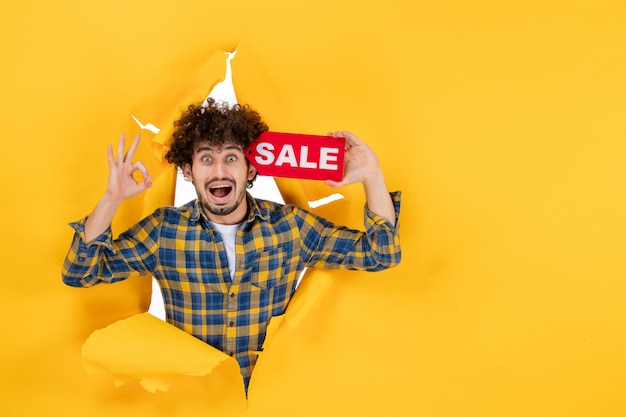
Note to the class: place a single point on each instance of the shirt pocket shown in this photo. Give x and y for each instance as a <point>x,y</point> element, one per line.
<point>268,268</point>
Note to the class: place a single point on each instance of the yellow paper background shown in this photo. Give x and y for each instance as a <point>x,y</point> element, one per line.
<point>503,124</point>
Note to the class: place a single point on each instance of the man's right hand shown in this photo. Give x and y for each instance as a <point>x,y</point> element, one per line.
<point>122,184</point>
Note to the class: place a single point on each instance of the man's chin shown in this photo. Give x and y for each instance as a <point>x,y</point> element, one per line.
<point>222,209</point>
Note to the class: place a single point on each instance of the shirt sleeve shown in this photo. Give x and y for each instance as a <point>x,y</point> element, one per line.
<point>328,246</point>
<point>106,260</point>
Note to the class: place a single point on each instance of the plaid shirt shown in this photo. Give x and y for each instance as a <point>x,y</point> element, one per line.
<point>186,254</point>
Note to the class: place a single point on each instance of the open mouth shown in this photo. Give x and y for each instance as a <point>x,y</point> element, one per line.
<point>220,191</point>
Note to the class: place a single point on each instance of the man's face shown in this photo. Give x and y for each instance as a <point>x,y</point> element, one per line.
<point>220,176</point>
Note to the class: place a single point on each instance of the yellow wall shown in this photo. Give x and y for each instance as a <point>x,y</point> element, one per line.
<point>502,122</point>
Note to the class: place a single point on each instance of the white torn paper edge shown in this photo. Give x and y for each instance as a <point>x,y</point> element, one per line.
<point>224,91</point>
<point>152,128</point>
<point>325,200</point>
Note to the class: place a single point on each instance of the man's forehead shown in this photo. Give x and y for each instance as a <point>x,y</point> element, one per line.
<point>217,148</point>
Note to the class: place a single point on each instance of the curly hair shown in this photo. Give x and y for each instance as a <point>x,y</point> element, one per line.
<point>216,123</point>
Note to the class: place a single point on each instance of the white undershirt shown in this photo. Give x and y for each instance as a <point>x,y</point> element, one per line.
<point>228,233</point>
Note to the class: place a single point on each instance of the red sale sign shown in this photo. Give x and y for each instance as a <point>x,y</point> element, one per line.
<point>294,155</point>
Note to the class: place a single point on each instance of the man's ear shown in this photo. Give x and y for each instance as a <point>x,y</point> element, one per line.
<point>187,171</point>
<point>251,171</point>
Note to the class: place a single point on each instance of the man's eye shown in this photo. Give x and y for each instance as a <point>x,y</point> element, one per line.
<point>232,158</point>
<point>206,159</point>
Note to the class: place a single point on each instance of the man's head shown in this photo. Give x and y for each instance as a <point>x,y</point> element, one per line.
<point>208,144</point>
<point>216,124</point>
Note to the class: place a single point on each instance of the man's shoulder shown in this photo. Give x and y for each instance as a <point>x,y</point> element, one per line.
<point>176,213</point>
<point>269,206</point>
<point>267,209</point>
<point>274,213</point>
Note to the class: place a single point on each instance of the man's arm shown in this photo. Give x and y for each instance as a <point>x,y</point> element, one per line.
<point>84,264</point>
<point>121,185</point>
<point>361,165</point>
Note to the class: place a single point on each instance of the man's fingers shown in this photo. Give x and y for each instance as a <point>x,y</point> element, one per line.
<point>120,149</point>
<point>351,139</point>
<point>139,166</point>
<point>131,151</point>
<point>332,183</point>
<point>123,157</point>
<point>110,156</point>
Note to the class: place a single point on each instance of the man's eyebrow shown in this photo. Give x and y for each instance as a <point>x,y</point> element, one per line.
<point>232,147</point>
<point>202,148</point>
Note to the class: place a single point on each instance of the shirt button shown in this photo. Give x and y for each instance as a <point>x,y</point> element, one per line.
<point>231,353</point>
<point>232,294</point>
<point>231,324</point>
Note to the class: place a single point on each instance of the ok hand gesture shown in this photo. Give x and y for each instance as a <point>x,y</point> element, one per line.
<point>121,183</point>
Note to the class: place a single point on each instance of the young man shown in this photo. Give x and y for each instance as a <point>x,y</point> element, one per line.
<point>226,262</point>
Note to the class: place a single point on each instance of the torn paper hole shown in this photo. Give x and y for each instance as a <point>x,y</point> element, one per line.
<point>264,187</point>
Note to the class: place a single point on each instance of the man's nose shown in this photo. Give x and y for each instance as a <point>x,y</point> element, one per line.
<point>220,169</point>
